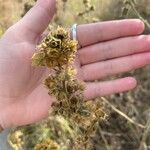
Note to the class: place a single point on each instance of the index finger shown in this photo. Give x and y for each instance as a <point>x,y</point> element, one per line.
<point>97,32</point>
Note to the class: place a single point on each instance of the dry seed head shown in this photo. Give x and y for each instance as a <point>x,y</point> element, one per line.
<point>47,144</point>
<point>57,49</point>
<point>57,52</point>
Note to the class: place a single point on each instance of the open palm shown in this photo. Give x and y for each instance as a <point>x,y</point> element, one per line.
<point>108,48</point>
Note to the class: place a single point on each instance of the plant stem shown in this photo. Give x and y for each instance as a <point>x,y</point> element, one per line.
<point>139,15</point>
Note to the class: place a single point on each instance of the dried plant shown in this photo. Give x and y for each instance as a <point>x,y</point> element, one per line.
<point>57,52</point>
<point>131,5</point>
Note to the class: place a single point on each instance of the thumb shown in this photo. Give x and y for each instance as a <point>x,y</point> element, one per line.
<point>38,18</point>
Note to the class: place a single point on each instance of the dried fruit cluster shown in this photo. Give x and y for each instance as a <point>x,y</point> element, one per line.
<point>47,144</point>
<point>71,117</point>
<point>58,52</point>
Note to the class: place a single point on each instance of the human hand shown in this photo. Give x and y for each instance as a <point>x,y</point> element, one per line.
<point>109,48</point>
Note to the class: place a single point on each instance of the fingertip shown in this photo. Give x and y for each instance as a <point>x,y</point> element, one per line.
<point>132,82</point>
<point>133,26</point>
<point>140,26</point>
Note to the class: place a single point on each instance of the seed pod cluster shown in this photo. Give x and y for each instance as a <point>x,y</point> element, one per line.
<point>47,144</point>
<point>58,52</point>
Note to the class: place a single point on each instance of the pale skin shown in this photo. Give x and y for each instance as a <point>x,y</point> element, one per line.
<point>109,48</point>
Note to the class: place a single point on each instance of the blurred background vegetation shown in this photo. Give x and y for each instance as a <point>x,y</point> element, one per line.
<point>128,124</point>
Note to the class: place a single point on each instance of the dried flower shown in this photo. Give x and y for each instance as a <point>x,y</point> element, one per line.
<point>57,49</point>
<point>58,52</point>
